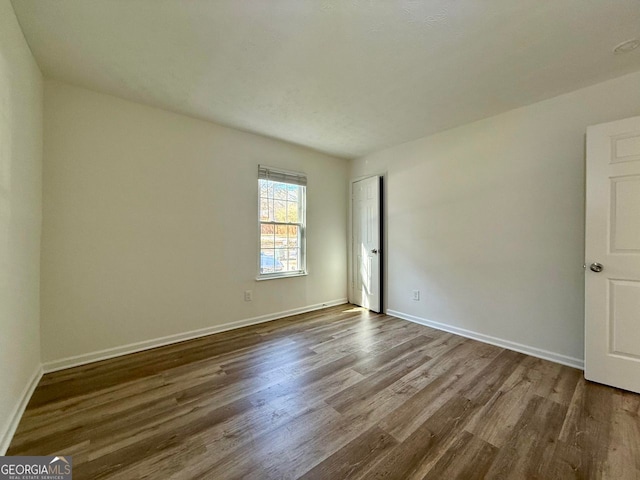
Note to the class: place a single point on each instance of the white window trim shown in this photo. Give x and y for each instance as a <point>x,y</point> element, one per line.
<point>273,276</point>
<point>303,230</point>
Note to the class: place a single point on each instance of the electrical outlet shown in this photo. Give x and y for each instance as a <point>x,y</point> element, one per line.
<point>416,295</point>
<point>248,295</point>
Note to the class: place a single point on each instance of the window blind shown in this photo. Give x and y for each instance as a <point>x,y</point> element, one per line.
<point>294,178</point>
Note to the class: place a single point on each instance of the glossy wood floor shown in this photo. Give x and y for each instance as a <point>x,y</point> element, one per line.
<point>339,393</point>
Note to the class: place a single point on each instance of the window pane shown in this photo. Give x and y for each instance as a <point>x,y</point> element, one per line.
<point>292,212</point>
<point>293,232</point>
<point>279,211</point>
<point>263,188</point>
<point>281,258</point>
<point>292,193</point>
<point>268,261</point>
<point>280,191</point>
<point>294,259</point>
<point>281,236</point>
<point>267,236</point>
<point>264,210</point>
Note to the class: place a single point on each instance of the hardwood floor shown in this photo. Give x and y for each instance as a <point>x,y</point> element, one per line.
<point>339,393</point>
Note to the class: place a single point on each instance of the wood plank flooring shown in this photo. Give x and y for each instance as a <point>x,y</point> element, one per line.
<point>338,393</point>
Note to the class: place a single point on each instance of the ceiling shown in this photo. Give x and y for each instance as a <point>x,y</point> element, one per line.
<point>346,77</point>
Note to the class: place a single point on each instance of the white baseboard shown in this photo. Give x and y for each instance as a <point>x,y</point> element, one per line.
<point>91,357</point>
<point>14,418</point>
<point>500,342</point>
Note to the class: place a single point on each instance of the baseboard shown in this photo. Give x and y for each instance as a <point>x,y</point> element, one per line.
<point>500,342</point>
<point>14,419</point>
<point>86,358</point>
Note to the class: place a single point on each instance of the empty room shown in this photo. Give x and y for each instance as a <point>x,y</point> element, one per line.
<point>319,239</point>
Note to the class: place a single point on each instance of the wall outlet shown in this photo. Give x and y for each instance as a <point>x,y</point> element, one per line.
<point>416,295</point>
<point>248,295</point>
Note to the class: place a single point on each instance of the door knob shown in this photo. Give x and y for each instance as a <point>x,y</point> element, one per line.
<point>375,251</point>
<point>596,267</point>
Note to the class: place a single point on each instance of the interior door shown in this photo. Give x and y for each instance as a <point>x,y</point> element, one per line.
<point>366,248</point>
<point>612,283</point>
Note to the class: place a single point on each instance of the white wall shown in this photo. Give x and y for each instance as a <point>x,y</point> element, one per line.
<point>20,219</point>
<point>487,219</point>
<point>150,224</point>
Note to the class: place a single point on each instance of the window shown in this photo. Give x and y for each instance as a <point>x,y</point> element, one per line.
<point>282,223</point>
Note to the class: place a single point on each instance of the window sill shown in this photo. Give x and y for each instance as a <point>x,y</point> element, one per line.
<point>261,278</point>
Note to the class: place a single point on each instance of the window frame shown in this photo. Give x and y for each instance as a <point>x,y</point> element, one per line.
<point>281,176</point>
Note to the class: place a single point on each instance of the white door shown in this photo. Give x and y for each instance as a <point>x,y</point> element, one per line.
<point>612,283</point>
<point>366,254</point>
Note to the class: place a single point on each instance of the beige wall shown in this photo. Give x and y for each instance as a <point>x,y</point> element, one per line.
<point>487,219</point>
<point>150,224</point>
<point>20,217</point>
